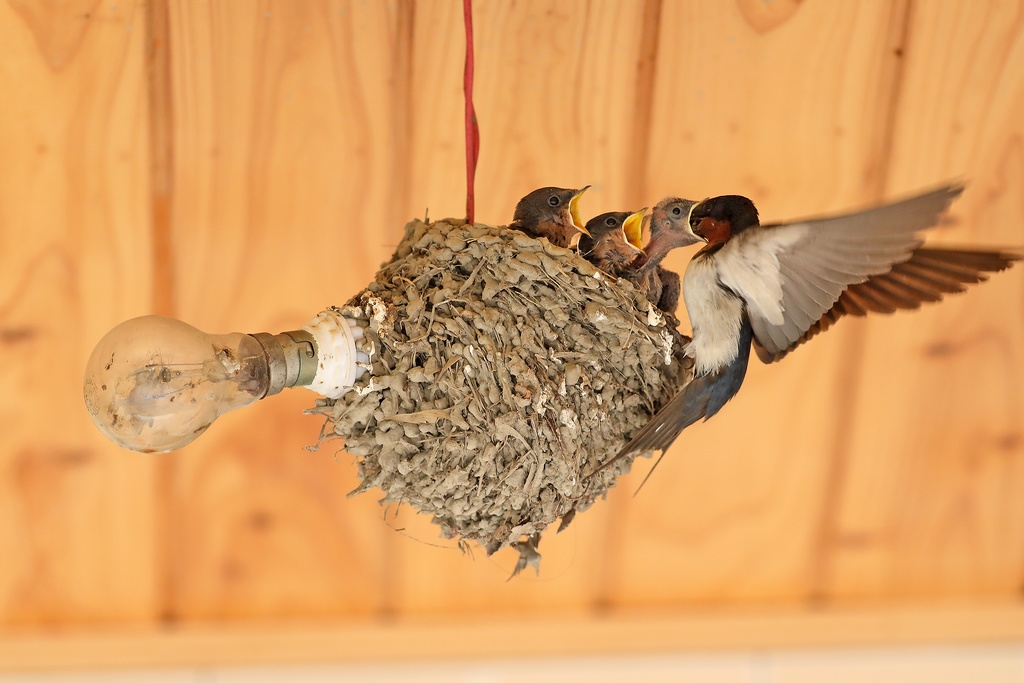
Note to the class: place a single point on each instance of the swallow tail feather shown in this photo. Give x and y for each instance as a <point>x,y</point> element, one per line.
<point>701,398</point>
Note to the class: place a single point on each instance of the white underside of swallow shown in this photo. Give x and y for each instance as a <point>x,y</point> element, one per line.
<point>715,316</point>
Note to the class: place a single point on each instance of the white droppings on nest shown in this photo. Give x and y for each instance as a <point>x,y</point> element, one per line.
<point>379,310</point>
<point>368,388</point>
<point>541,404</point>
<point>654,317</point>
<point>487,407</point>
<point>668,343</point>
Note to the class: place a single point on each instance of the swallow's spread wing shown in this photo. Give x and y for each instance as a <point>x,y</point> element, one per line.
<point>926,276</point>
<point>792,276</point>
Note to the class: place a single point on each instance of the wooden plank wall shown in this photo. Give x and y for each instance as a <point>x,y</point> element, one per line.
<point>78,519</point>
<point>242,165</point>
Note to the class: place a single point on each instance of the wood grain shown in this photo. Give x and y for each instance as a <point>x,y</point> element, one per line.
<point>732,513</point>
<point>243,165</point>
<point>471,638</point>
<point>930,500</point>
<point>286,156</point>
<point>556,96</point>
<point>77,518</point>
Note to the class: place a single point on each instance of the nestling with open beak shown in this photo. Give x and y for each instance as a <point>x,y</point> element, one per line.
<point>613,241</point>
<point>669,228</point>
<point>776,286</point>
<point>550,212</point>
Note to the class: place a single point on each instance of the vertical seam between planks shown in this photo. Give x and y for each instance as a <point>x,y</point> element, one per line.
<point>895,98</point>
<point>848,384</point>
<point>161,152</point>
<point>161,177</point>
<point>401,116</point>
<point>643,104</point>
<point>604,596</point>
<point>396,215</point>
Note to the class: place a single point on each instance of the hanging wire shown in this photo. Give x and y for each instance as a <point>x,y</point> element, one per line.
<point>472,128</point>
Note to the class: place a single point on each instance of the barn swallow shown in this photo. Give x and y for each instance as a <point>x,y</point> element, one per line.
<point>550,212</point>
<point>669,229</point>
<point>612,240</point>
<point>776,286</point>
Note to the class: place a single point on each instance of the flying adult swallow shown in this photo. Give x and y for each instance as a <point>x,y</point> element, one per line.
<point>550,212</point>
<point>613,240</point>
<point>670,229</point>
<point>776,286</point>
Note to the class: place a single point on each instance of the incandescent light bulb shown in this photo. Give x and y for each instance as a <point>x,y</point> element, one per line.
<point>153,384</point>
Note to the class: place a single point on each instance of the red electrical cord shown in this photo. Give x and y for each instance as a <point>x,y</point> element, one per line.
<point>472,129</point>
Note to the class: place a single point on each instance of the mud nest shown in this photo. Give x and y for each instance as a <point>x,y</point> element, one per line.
<point>505,371</point>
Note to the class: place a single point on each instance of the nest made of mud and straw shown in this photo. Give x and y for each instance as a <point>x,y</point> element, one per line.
<point>505,371</point>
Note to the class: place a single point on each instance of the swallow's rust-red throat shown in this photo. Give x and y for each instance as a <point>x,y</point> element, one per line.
<point>714,231</point>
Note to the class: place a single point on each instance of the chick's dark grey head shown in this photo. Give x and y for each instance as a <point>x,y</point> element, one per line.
<point>547,204</point>
<point>605,223</point>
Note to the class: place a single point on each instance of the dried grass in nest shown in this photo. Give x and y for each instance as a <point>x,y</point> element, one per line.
<point>505,370</point>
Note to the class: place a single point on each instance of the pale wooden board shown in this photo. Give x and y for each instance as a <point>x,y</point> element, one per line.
<point>77,516</point>
<point>436,134</point>
<point>556,91</point>
<point>255,643</point>
<point>555,95</point>
<point>284,161</point>
<point>931,498</point>
<point>295,139</point>
<point>786,102</point>
<point>789,104</point>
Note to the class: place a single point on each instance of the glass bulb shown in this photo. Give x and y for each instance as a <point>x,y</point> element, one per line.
<point>154,384</point>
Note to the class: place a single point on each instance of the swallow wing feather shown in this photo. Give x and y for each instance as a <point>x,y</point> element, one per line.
<point>792,275</point>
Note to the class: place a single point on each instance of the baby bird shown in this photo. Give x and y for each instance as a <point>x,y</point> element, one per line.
<point>550,212</point>
<point>670,228</point>
<point>613,240</point>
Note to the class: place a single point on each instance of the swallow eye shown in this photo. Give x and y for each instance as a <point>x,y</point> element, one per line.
<point>676,211</point>
<point>553,200</point>
<point>610,222</point>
